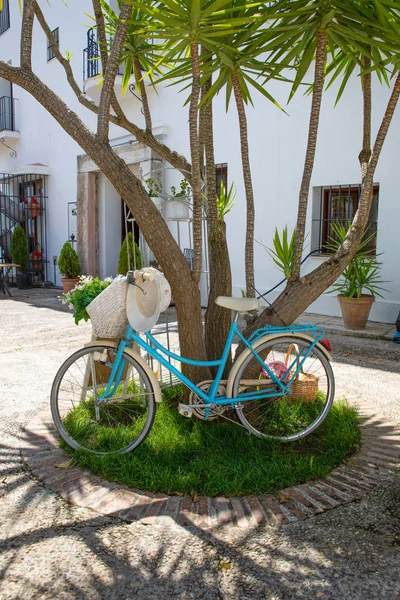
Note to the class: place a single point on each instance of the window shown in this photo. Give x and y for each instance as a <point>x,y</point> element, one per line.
<point>339,205</point>
<point>5,17</point>
<point>221,174</point>
<point>56,36</point>
<point>91,55</point>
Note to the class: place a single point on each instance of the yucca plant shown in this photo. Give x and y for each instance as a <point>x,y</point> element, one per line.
<point>363,273</point>
<point>225,201</point>
<point>282,252</point>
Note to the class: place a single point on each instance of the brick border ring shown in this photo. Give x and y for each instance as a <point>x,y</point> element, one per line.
<point>380,454</point>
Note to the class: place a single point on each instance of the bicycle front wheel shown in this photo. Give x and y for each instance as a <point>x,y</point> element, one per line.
<point>85,421</point>
<point>287,417</point>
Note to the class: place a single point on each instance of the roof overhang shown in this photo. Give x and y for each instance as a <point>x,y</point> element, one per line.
<point>34,169</point>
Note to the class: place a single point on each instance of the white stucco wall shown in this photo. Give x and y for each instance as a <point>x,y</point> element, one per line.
<point>277,147</point>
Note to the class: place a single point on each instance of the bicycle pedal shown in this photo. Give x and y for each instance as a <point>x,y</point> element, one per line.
<point>185,410</point>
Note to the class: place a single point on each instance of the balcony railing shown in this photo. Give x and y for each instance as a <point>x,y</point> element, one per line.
<point>7,114</point>
<point>5,17</point>
<point>92,66</point>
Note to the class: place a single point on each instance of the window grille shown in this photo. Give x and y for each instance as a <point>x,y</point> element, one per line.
<point>56,36</point>
<point>221,174</point>
<point>5,17</point>
<point>339,204</point>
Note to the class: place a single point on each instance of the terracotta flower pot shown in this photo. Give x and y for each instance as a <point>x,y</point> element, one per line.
<point>34,210</point>
<point>69,284</point>
<point>36,265</point>
<point>355,311</point>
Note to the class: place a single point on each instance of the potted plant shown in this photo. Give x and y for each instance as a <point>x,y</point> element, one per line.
<point>359,283</point>
<point>33,206</point>
<point>68,263</point>
<point>135,256</point>
<point>20,256</point>
<point>36,260</point>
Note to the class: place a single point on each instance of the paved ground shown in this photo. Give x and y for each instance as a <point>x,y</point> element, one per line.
<point>50,549</point>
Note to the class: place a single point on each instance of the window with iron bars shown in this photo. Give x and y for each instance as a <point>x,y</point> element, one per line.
<point>5,17</point>
<point>339,204</point>
<point>56,36</point>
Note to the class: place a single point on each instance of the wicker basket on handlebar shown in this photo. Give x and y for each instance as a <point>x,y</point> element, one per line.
<point>108,310</point>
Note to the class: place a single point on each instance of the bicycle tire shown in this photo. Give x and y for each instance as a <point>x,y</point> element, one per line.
<point>282,410</point>
<point>121,409</point>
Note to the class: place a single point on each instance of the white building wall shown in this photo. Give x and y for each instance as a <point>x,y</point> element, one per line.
<point>277,147</point>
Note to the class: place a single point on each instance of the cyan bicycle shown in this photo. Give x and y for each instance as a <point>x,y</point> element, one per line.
<point>281,386</point>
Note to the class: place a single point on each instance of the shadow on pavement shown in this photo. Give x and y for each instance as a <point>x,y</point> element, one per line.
<point>92,557</point>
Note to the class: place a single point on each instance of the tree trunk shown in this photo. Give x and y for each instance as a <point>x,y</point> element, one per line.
<point>143,93</point>
<point>196,165</point>
<point>319,78</point>
<point>299,294</point>
<point>217,319</point>
<point>248,186</point>
<point>365,153</point>
<point>153,226</point>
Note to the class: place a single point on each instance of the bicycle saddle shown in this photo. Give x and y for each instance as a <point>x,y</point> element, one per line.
<point>238,304</point>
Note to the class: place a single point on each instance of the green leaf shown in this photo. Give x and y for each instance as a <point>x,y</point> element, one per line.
<point>303,67</point>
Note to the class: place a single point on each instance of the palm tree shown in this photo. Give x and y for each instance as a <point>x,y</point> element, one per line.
<point>184,25</point>
<point>307,31</point>
<point>356,33</point>
<point>233,59</point>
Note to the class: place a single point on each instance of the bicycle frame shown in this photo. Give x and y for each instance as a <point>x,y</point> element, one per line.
<point>159,353</point>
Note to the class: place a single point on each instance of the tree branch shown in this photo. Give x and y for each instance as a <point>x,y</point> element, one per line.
<point>149,219</point>
<point>248,186</point>
<point>64,62</point>
<point>145,137</point>
<point>28,16</point>
<point>365,153</point>
<point>101,32</point>
<point>311,286</point>
<point>110,72</point>
<point>318,88</point>
<point>143,93</point>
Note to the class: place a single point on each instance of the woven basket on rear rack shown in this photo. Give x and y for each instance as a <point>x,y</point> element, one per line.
<point>108,310</point>
<point>305,386</point>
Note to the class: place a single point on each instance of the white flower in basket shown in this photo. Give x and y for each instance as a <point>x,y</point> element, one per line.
<point>108,310</point>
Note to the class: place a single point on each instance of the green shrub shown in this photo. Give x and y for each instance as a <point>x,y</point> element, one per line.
<point>123,263</point>
<point>19,249</point>
<point>68,262</point>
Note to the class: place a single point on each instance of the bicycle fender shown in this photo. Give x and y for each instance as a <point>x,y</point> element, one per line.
<point>246,352</point>
<point>139,359</point>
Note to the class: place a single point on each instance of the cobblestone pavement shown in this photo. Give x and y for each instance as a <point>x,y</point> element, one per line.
<point>50,549</point>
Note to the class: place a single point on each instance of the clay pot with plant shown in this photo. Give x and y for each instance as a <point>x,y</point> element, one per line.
<point>20,256</point>
<point>33,207</point>
<point>36,261</point>
<point>359,283</point>
<point>68,263</point>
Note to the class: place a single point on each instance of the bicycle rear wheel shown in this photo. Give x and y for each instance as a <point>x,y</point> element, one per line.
<point>116,424</point>
<point>289,417</point>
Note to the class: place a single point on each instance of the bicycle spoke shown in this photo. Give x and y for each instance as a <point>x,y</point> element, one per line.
<point>307,374</point>
<point>115,423</point>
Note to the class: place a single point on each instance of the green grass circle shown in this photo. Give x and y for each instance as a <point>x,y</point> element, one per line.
<point>219,458</point>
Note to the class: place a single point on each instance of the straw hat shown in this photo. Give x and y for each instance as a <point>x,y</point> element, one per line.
<point>143,309</point>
